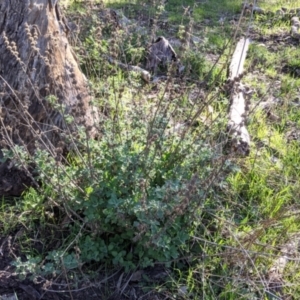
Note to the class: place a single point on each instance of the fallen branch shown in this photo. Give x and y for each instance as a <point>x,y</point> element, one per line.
<point>240,138</point>
<point>146,76</point>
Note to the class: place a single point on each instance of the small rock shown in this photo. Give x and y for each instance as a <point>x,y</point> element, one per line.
<point>183,290</point>
<point>146,76</point>
<point>181,69</point>
<point>279,12</point>
<point>196,40</point>
<point>137,276</point>
<point>222,20</point>
<point>258,10</point>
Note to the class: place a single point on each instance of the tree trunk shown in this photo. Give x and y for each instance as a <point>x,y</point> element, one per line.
<point>36,66</point>
<point>40,81</point>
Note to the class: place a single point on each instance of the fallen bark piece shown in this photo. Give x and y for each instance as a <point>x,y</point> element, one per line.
<point>161,53</point>
<point>240,138</point>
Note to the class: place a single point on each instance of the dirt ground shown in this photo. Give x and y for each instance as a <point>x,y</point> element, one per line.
<point>118,286</point>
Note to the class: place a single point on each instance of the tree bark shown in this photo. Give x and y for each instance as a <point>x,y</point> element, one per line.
<point>41,85</point>
<point>37,65</point>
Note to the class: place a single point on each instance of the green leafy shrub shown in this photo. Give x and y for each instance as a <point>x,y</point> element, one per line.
<point>136,197</point>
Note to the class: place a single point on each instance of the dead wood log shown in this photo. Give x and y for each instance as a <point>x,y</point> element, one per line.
<point>240,138</point>
<point>160,53</point>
